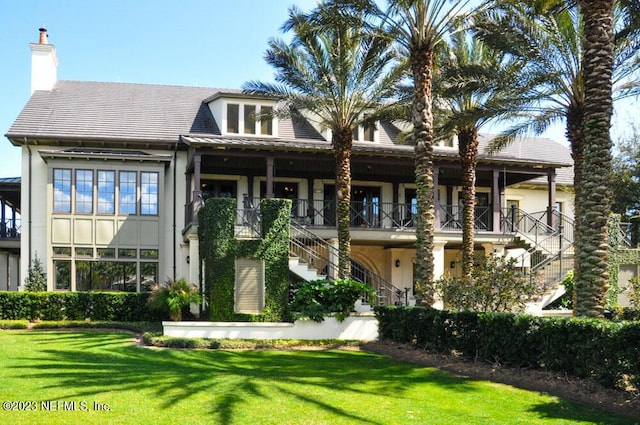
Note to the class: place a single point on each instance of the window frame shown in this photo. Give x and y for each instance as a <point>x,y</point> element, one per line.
<point>100,192</point>
<point>65,191</point>
<point>120,193</point>
<point>155,205</point>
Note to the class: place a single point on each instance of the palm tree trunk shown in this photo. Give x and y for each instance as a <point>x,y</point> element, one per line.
<point>595,199</point>
<point>421,65</point>
<point>575,135</point>
<point>468,151</point>
<point>342,144</point>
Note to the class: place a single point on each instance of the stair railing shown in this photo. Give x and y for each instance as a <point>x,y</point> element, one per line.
<point>550,257</point>
<point>323,256</point>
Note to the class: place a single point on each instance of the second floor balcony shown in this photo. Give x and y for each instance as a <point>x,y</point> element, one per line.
<point>367,215</point>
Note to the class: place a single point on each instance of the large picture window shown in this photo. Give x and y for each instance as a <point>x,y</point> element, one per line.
<point>106,192</point>
<point>61,191</point>
<point>127,187</point>
<point>148,193</point>
<point>106,276</point>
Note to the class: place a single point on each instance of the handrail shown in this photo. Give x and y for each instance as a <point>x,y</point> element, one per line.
<point>549,256</point>
<point>321,255</point>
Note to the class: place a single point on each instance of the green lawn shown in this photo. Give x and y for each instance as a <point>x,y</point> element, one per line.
<point>103,378</point>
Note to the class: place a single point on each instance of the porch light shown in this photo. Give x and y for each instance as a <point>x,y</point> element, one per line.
<point>398,262</point>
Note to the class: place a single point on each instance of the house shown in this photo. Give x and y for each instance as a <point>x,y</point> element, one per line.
<point>114,175</point>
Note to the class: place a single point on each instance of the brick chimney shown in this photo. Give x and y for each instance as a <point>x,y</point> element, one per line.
<point>44,63</point>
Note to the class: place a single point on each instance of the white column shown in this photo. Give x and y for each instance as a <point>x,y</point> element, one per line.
<point>194,260</point>
<point>438,259</point>
<point>332,270</point>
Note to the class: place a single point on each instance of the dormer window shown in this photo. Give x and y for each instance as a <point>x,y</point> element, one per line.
<point>366,133</point>
<point>241,119</point>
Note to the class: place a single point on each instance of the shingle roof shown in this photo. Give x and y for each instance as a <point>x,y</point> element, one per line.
<point>92,110</point>
<point>540,148</point>
<point>144,112</point>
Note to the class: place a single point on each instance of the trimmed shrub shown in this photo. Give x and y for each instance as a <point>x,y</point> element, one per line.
<point>587,348</point>
<point>53,306</point>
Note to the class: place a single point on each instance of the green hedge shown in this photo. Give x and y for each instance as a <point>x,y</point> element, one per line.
<point>604,350</point>
<point>110,306</point>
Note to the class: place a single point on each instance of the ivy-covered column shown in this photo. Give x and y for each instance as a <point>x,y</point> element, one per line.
<point>217,254</point>
<point>219,250</point>
<point>274,249</point>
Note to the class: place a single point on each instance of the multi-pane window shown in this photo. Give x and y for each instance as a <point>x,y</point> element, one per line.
<point>127,187</point>
<point>233,118</point>
<point>61,191</point>
<point>148,193</point>
<point>243,119</point>
<point>99,191</point>
<point>84,191</point>
<point>249,119</point>
<point>105,269</point>
<point>106,192</point>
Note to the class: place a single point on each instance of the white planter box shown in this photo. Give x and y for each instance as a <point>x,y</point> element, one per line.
<point>355,327</point>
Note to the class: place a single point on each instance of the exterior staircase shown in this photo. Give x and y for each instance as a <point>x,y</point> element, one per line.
<point>549,254</point>
<point>311,258</point>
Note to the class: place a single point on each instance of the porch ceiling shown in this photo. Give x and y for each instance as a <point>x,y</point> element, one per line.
<point>368,168</point>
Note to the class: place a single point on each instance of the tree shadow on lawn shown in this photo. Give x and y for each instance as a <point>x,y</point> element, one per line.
<point>92,363</point>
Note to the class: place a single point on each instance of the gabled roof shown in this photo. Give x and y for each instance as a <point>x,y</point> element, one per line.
<point>108,111</point>
<point>94,111</point>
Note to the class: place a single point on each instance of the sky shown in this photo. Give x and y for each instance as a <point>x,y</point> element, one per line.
<point>206,43</point>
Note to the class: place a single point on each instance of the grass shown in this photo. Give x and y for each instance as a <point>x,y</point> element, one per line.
<point>83,370</point>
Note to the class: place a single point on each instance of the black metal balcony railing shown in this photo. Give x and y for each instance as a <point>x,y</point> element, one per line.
<point>10,229</point>
<point>367,215</point>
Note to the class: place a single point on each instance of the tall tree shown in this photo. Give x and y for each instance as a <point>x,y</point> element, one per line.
<point>592,269</point>
<point>419,26</point>
<point>471,88</point>
<point>333,71</point>
<point>548,35</point>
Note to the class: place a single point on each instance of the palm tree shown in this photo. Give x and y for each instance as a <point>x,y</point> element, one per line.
<point>419,26</point>
<point>471,88</point>
<point>334,71</point>
<point>595,196</point>
<point>548,36</point>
